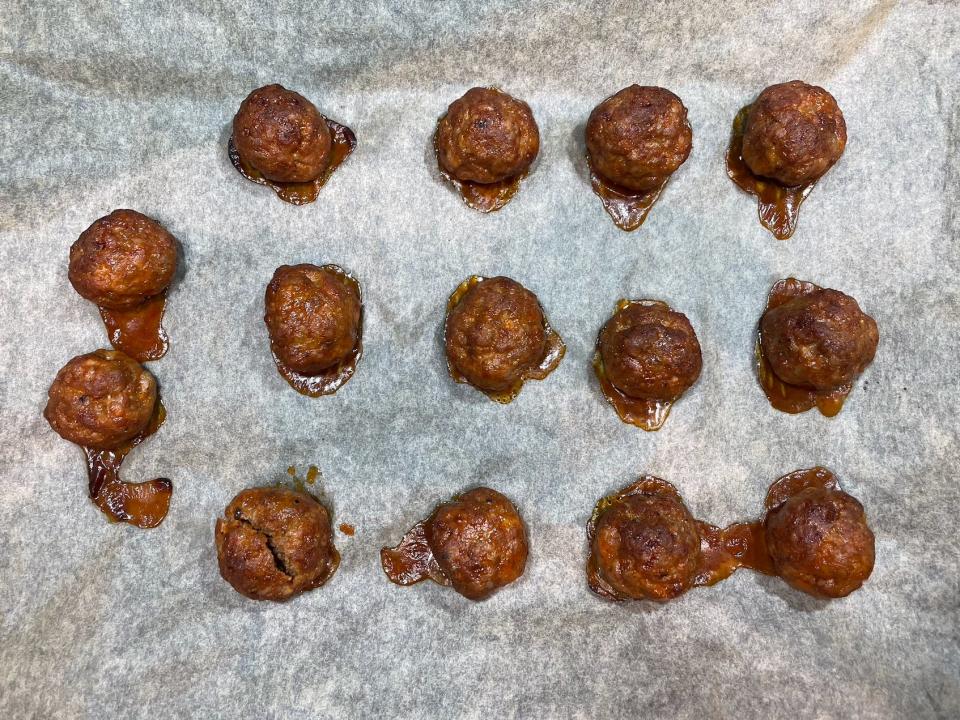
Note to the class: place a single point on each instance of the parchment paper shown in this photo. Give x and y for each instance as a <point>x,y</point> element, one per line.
<point>129,106</point>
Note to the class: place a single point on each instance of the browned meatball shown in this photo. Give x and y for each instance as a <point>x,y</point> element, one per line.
<point>822,340</point>
<point>274,543</point>
<point>495,333</point>
<point>101,399</point>
<point>281,134</point>
<point>650,352</point>
<point>313,317</point>
<point>820,543</point>
<point>479,541</point>
<point>487,136</point>
<point>794,133</point>
<point>122,260</point>
<point>639,137</point>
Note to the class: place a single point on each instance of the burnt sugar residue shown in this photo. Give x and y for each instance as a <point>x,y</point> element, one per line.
<point>138,331</point>
<point>347,529</point>
<point>412,560</point>
<point>627,208</point>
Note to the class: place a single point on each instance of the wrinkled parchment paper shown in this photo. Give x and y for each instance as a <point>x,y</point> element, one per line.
<point>130,106</point>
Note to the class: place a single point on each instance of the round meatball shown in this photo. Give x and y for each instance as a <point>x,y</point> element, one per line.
<point>274,543</point>
<point>122,260</point>
<point>495,334</point>
<point>639,137</point>
<point>794,133</point>
<point>820,543</point>
<point>822,340</point>
<point>101,399</point>
<point>313,317</point>
<point>650,352</point>
<point>281,134</point>
<point>487,136</point>
<point>479,542</point>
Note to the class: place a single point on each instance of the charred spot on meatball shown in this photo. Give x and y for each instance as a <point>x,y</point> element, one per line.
<point>638,137</point>
<point>274,543</point>
<point>794,133</point>
<point>101,399</point>
<point>122,260</point>
<point>282,135</point>
<point>487,136</point>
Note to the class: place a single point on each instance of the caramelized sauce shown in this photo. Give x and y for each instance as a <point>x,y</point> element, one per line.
<point>628,208</point>
<point>301,193</point>
<point>143,504</point>
<point>553,354</point>
<point>138,331</point>
<point>412,559</point>
<point>483,197</point>
<point>347,529</point>
<point>783,396</point>
<point>779,205</point>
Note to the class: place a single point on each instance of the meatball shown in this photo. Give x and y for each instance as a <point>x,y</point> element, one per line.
<point>820,543</point>
<point>313,317</point>
<point>274,543</point>
<point>101,399</point>
<point>487,136</point>
<point>794,133</point>
<point>822,340</point>
<point>638,137</point>
<point>281,134</point>
<point>650,352</point>
<point>495,334</point>
<point>479,542</point>
<point>122,259</point>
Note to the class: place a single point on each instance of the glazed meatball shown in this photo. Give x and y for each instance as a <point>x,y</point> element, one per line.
<point>122,260</point>
<point>495,333</point>
<point>638,137</point>
<point>650,352</point>
<point>274,543</point>
<point>487,136</point>
<point>820,543</point>
<point>822,340</point>
<point>479,542</point>
<point>313,317</point>
<point>794,133</point>
<point>101,399</point>
<point>280,133</point>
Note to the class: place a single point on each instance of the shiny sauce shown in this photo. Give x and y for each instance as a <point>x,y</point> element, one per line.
<point>628,208</point>
<point>138,331</point>
<point>483,197</point>
<point>412,560</point>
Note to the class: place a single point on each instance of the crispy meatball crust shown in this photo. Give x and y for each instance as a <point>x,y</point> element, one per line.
<point>479,541</point>
<point>820,542</point>
<point>122,259</point>
<point>487,136</point>
<point>638,137</point>
<point>495,333</point>
<point>313,317</point>
<point>650,352</point>
<point>822,340</point>
<point>794,133</point>
<point>274,543</point>
<point>101,399</point>
<point>282,135</point>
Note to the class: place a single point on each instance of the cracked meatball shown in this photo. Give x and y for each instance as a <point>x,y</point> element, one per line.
<point>487,136</point>
<point>101,399</point>
<point>313,316</point>
<point>122,260</point>
<point>281,134</point>
<point>822,340</point>
<point>794,133</point>
<point>638,137</point>
<point>820,542</point>
<point>650,351</point>
<point>274,543</point>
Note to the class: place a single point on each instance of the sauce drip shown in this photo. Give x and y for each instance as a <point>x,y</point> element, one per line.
<point>553,354</point>
<point>779,205</point>
<point>483,197</point>
<point>784,396</point>
<point>628,208</point>
<point>138,331</point>
<point>301,193</point>
<point>412,560</point>
<point>143,504</point>
<point>347,529</point>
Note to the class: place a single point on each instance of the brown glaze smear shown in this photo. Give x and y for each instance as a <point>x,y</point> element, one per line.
<point>347,529</point>
<point>779,205</point>
<point>628,208</point>
<point>483,197</point>
<point>301,193</point>
<point>555,350</point>
<point>138,331</point>
<point>783,396</point>
<point>143,504</point>
<point>412,560</point>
